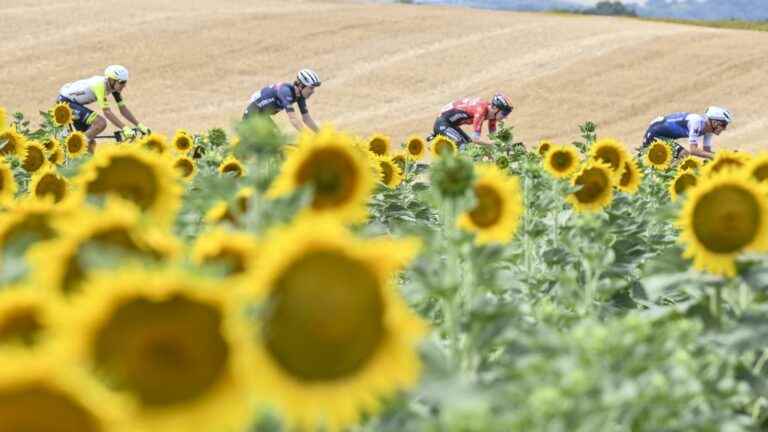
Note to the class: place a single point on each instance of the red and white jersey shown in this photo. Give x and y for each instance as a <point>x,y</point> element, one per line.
<point>469,111</point>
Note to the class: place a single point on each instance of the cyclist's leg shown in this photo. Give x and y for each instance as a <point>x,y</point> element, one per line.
<point>251,110</point>
<point>457,136</point>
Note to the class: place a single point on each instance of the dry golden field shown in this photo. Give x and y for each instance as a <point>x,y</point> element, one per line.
<point>386,68</point>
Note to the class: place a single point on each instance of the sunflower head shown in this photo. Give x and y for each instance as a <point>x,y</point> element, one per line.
<point>631,177</point>
<point>340,176</point>
<point>391,175</point>
<point>416,147</point>
<point>44,391</point>
<point>142,177</point>
<point>56,156</point>
<point>334,335</point>
<point>595,187</point>
<point>13,143</point>
<point>219,212</point>
<point>561,161</point>
<point>49,184</point>
<point>724,216</point>
<point>758,168</point>
<point>235,252</point>
<point>61,114</point>
<point>379,144</point>
<point>611,152</point>
<point>400,159</point>
<point>35,158</point>
<point>182,141</point>
<point>76,144</point>
<point>7,184</point>
<point>186,167</point>
<point>498,209</point>
<point>232,166</point>
<point>684,180</point>
<point>31,221</point>
<point>452,176</point>
<point>726,160</point>
<point>442,145</point>
<point>543,147</point>
<point>243,199</point>
<point>164,340</point>
<point>691,163</point>
<point>659,155</point>
<point>49,143</point>
<point>24,316</point>
<point>154,142</point>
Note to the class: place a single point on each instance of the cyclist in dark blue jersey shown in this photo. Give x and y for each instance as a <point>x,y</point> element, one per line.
<point>696,128</point>
<point>282,96</point>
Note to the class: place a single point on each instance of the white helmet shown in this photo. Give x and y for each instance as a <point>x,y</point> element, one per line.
<point>717,113</point>
<point>308,77</point>
<point>116,72</point>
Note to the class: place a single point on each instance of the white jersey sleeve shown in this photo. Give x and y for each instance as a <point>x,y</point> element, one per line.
<point>695,128</point>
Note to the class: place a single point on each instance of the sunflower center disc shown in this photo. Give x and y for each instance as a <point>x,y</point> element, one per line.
<point>562,161</point>
<point>379,147</point>
<point>593,184</point>
<point>35,407</point>
<point>658,154</point>
<point>684,182</point>
<point>414,148</point>
<point>609,156</point>
<point>386,173</point>
<point>22,325</point>
<point>726,219</point>
<point>325,319</point>
<point>488,209</point>
<point>50,184</point>
<point>332,175</point>
<point>166,352</point>
<point>761,173</point>
<point>128,177</point>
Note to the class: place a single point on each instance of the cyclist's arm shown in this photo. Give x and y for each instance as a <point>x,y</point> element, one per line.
<point>693,149</point>
<point>694,132</point>
<point>294,119</point>
<point>124,109</point>
<point>477,126</point>
<point>305,114</point>
<point>100,91</point>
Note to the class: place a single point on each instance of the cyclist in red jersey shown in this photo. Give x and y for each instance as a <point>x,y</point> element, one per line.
<point>471,111</point>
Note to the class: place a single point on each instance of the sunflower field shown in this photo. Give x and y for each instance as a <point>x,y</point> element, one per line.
<point>249,281</point>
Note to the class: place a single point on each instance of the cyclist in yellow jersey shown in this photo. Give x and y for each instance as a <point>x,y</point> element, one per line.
<point>95,89</point>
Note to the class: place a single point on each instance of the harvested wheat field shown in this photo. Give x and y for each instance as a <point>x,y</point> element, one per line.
<point>387,68</point>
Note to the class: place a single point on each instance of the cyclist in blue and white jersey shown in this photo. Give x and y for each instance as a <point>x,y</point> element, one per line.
<point>77,94</point>
<point>696,128</point>
<point>282,96</point>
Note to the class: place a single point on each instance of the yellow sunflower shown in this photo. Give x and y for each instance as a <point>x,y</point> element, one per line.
<point>235,252</point>
<point>400,159</point>
<point>659,155</point>
<point>724,215</point>
<point>7,184</point>
<point>115,230</point>
<point>76,144</point>
<point>164,339</point>
<point>49,183</point>
<point>379,144</point>
<point>219,212</point>
<point>31,221</point>
<point>416,147</point>
<point>61,114</point>
<point>56,156</point>
<point>154,142</point>
<point>43,391</point>
<point>24,316</point>
<point>243,199</point>
<point>596,187</point>
<point>335,335</point>
<point>690,163</point>
<point>232,166</point>
<point>684,180</point>
<point>182,141</point>
<point>3,120</point>
<point>145,178</point>
<point>441,144</point>
<point>391,175</point>
<point>35,158</point>
<point>562,161</point>
<point>611,152</point>
<point>543,147</point>
<point>725,160</point>
<point>339,175</point>
<point>498,208</point>
<point>186,167</point>
<point>631,177</point>
<point>49,143</point>
<point>13,143</point>
<point>758,168</point>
